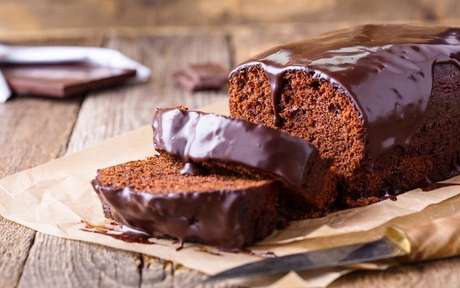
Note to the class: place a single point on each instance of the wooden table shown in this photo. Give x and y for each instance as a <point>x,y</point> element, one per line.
<point>33,131</point>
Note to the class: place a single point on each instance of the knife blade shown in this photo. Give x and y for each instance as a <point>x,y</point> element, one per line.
<point>380,249</point>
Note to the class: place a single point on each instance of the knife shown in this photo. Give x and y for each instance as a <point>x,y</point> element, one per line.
<point>437,239</point>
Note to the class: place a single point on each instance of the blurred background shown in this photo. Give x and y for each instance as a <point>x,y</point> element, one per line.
<point>275,21</point>
<point>164,35</point>
<point>38,15</point>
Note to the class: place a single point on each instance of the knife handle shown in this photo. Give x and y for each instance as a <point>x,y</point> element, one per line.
<point>438,239</point>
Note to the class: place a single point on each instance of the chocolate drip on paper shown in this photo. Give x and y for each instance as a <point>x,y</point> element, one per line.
<point>119,232</point>
<point>428,185</point>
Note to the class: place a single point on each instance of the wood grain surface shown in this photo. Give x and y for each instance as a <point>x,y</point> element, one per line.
<point>33,131</point>
<point>25,124</point>
<point>26,15</point>
<point>106,114</point>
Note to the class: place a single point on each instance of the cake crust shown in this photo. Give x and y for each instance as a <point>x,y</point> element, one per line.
<point>365,97</point>
<point>246,148</point>
<point>229,213</point>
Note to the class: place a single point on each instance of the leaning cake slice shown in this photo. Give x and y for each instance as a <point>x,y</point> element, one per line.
<point>151,195</point>
<point>246,148</point>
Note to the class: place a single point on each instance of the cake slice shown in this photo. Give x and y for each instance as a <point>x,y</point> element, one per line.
<point>247,149</point>
<point>382,102</point>
<point>151,195</point>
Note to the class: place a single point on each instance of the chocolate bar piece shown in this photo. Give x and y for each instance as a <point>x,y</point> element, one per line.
<point>201,77</point>
<point>62,80</point>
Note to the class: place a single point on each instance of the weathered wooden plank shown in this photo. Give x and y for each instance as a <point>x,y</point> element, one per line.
<point>110,113</point>
<point>160,273</point>
<point>36,15</point>
<point>440,273</point>
<point>248,41</point>
<point>157,273</point>
<point>15,241</point>
<point>24,127</point>
<point>32,131</point>
<point>78,264</point>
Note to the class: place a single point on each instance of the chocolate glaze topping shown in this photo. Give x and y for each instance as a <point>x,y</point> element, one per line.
<point>200,136</point>
<point>386,70</point>
<point>220,218</point>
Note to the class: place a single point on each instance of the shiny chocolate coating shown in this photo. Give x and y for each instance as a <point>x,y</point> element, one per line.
<point>228,219</point>
<point>385,70</point>
<point>202,137</point>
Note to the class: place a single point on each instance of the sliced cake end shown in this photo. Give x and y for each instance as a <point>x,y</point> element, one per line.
<point>151,195</point>
<point>247,149</point>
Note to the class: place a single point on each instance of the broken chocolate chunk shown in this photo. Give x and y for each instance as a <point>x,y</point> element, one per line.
<point>202,77</point>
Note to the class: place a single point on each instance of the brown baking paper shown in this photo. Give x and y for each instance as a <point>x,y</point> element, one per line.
<point>55,197</point>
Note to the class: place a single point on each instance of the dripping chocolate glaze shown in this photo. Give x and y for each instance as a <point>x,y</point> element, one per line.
<point>386,71</point>
<point>119,232</point>
<point>220,218</point>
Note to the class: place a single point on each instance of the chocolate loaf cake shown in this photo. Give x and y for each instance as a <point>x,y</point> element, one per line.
<point>240,146</point>
<point>151,195</point>
<point>382,102</point>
